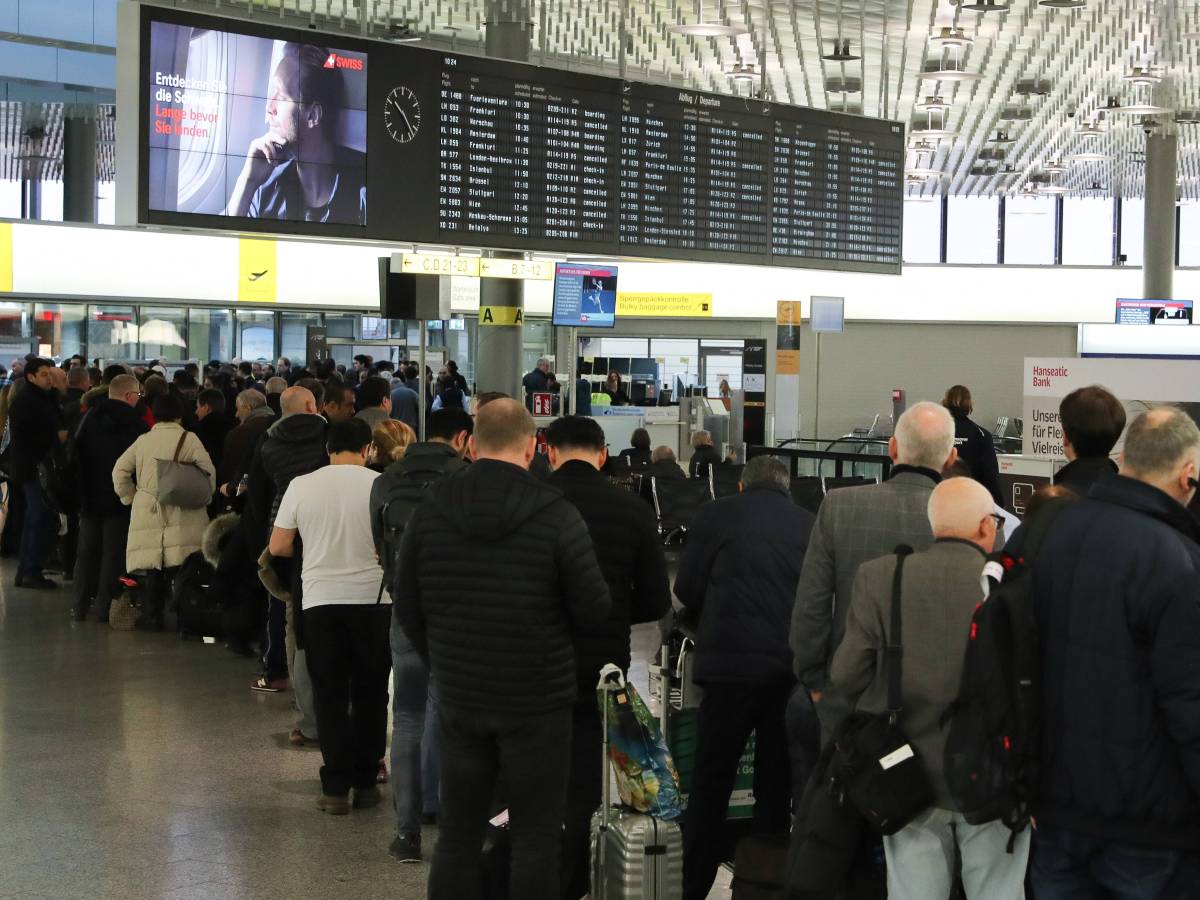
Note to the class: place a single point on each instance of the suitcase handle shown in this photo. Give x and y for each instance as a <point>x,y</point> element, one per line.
<point>611,680</point>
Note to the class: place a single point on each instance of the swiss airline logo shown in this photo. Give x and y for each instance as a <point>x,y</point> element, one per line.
<point>343,62</point>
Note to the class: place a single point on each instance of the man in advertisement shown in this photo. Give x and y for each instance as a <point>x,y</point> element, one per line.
<point>297,170</point>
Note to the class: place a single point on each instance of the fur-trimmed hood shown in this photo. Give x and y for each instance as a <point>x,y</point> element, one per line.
<point>215,535</point>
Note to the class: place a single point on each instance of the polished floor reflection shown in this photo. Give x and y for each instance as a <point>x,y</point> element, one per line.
<point>141,766</point>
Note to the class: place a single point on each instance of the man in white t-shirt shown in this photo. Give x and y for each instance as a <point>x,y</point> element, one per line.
<point>346,616</point>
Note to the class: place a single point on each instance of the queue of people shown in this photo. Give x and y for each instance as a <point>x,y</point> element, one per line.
<point>491,598</point>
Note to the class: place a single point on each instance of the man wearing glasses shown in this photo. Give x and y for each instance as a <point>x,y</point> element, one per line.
<point>106,430</point>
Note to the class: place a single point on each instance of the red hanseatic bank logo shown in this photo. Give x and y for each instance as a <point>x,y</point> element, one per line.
<point>343,62</point>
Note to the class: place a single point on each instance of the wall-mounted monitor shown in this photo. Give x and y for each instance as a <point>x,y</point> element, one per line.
<point>1154,312</point>
<point>245,126</point>
<point>585,296</point>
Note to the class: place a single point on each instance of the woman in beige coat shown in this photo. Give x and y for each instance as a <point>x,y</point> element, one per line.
<point>161,537</point>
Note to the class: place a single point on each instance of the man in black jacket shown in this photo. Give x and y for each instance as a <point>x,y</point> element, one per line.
<point>35,423</point>
<point>395,496</point>
<point>105,432</point>
<point>1092,420</point>
<point>497,571</point>
<point>1115,590</point>
<point>625,536</point>
<point>739,572</point>
<point>293,446</point>
<point>212,425</point>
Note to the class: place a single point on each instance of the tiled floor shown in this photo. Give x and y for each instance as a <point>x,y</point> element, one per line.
<point>141,766</point>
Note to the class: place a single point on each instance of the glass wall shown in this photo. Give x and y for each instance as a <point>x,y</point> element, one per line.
<point>161,333</point>
<point>293,335</point>
<point>922,231</point>
<point>112,333</point>
<point>1029,231</point>
<point>59,328</point>
<point>1133,230</point>
<point>256,336</point>
<point>1087,231</point>
<point>210,334</point>
<point>1189,233</point>
<point>972,230</point>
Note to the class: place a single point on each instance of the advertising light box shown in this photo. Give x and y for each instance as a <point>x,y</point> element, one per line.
<point>585,296</point>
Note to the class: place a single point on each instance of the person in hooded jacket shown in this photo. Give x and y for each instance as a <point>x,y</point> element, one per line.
<point>630,553</point>
<point>496,572</point>
<point>108,428</point>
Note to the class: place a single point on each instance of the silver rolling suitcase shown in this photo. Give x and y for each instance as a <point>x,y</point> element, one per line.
<point>634,856</point>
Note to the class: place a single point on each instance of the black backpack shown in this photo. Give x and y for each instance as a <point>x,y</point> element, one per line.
<point>403,492</point>
<point>993,747</point>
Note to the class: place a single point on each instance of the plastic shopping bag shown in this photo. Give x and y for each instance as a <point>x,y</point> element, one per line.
<point>646,778</point>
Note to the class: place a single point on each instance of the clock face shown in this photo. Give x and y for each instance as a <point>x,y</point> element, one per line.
<point>402,115</point>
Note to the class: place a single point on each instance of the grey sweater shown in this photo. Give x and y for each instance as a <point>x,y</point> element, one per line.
<point>940,589</point>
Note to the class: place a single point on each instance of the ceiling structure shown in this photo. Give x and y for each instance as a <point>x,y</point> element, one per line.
<point>1035,94</point>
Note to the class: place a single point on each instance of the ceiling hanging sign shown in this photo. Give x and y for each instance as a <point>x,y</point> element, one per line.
<point>439,264</point>
<point>6,257</point>
<point>524,269</point>
<point>663,305</point>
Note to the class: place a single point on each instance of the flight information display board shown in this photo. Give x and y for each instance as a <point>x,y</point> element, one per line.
<point>466,151</point>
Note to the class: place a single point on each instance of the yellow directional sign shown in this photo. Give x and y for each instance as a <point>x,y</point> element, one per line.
<point>525,269</point>
<point>501,315</point>
<point>440,264</point>
<point>657,305</point>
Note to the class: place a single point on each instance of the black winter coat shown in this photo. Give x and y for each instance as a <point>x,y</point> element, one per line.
<point>739,571</point>
<point>34,421</point>
<point>212,430</point>
<point>1080,474</point>
<point>976,449</point>
<point>239,447</point>
<point>625,537</point>
<point>293,446</point>
<point>1116,587</point>
<point>702,460</point>
<point>497,571</point>
<point>105,432</point>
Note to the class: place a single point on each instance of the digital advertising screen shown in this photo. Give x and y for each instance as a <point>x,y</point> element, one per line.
<point>251,127</point>
<point>1154,312</point>
<point>585,296</point>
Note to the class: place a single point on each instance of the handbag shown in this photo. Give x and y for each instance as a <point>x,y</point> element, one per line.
<point>182,484</point>
<point>125,609</point>
<point>875,763</point>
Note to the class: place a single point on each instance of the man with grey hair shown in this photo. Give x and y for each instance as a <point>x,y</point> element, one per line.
<point>857,524</point>
<point>704,455</point>
<point>537,381</point>
<point>940,589</point>
<point>738,575</point>
<point>1115,588</point>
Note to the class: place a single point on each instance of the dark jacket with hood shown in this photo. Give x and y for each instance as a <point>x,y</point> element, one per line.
<point>293,446</point>
<point>107,430</point>
<point>703,459</point>
<point>1115,589</point>
<point>976,449</point>
<point>630,553</point>
<point>34,422</point>
<point>496,572</point>
<point>239,446</point>
<point>739,571</point>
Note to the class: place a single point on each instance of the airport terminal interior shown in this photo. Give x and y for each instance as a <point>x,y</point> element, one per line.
<point>746,279</point>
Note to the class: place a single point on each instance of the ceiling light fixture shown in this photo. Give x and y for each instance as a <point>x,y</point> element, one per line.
<point>950,67</point>
<point>1142,75</point>
<point>1088,157</point>
<point>1090,129</point>
<point>1002,137</point>
<point>700,28</point>
<point>1053,189</point>
<point>932,104</point>
<point>1033,88</point>
<point>1135,109</point>
<point>841,53</point>
<point>932,134</point>
<point>949,36</point>
<point>743,72</point>
<point>401,31</point>
<point>986,6</point>
<point>1063,4</point>
<point>1187,117</point>
<point>923,172</point>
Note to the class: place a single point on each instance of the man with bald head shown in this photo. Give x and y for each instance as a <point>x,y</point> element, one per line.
<point>856,524</point>
<point>1115,588</point>
<point>293,446</point>
<point>940,588</point>
<point>496,571</point>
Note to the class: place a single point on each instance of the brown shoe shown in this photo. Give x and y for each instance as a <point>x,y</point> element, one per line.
<point>334,805</point>
<point>365,798</point>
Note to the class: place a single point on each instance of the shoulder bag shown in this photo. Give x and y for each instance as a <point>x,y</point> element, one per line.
<point>876,764</point>
<point>182,484</point>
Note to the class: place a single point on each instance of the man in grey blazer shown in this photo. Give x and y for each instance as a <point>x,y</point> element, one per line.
<point>857,524</point>
<point>940,588</point>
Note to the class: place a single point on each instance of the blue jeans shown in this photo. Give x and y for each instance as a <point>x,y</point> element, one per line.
<point>39,525</point>
<point>414,743</point>
<point>1070,866</point>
